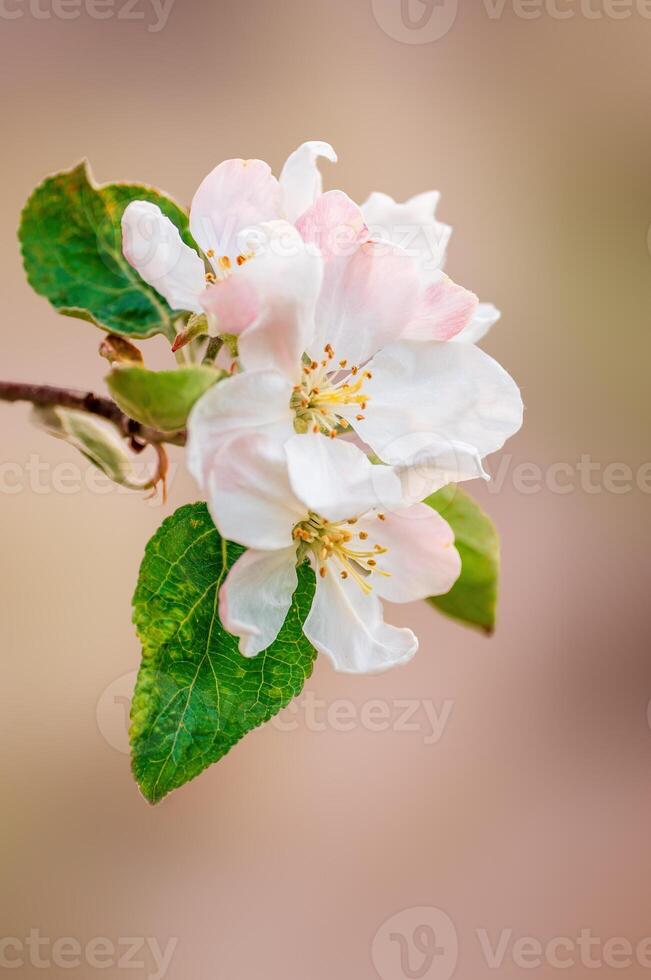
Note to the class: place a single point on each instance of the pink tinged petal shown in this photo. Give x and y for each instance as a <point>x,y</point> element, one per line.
<point>420,559</point>
<point>334,225</point>
<point>257,401</point>
<point>152,244</point>
<point>486,316</point>
<point>367,300</point>
<point>233,303</point>
<point>445,310</point>
<point>451,395</point>
<point>347,625</point>
<point>249,494</point>
<point>301,180</point>
<point>280,285</point>
<point>334,478</point>
<point>236,195</point>
<point>256,597</point>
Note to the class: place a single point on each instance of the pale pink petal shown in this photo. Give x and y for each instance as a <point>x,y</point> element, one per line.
<point>153,246</point>
<point>445,309</point>
<point>420,559</point>
<point>334,224</point>
<point>232,302</point>
<point>256,597</point>
<point>286,278</point>
<point>347,625</point>
<point>301,180</point>
<point>236,195</point>
<point>367,300</point>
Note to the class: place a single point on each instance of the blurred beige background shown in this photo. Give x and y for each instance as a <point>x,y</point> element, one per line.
<point>528,809</point>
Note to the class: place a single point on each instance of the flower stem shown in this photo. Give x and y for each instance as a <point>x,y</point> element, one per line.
<point>46,396</point>
<point>215,344</point>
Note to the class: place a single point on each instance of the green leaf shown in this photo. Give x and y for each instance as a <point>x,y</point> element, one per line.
<point>473,597</point>
<point>196,695</point>
<point>72,249</point>
<point>162,399</point>
<point>96,439</point>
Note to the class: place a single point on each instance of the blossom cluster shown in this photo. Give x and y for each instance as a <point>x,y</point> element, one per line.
<point>354,389</point>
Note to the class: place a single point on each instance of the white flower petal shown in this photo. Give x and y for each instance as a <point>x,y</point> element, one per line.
<point>257,401</point>
<point>411,225</point>
<point>347,625</point>
<point>425,464</point>
<point>256,597</point>
<point>153,245</point>
<point>300,178</point>
<point>334,479</point>
<point>421,559</point>
<point>236,195</point>
<point>486,316</point>
<point>450,394</point>
<point>249,495</point>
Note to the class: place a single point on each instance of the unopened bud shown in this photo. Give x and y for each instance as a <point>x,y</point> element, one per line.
<point>197,326</point>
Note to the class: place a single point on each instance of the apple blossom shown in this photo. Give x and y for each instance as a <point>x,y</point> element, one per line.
<point>364,544</point>
<point>241,213</point>
<point>372,360</point>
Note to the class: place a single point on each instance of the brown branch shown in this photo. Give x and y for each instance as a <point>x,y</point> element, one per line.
<point>47,396</point>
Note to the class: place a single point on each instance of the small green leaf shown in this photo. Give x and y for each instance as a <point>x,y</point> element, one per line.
<point>473,597</point>
<point>71,240</point>
<point>196,695</point>
<point>96,439</point>
<point>162,399</point>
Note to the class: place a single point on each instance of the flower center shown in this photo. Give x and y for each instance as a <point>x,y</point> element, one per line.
<point>326,387</point>
<point>354,556</point>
